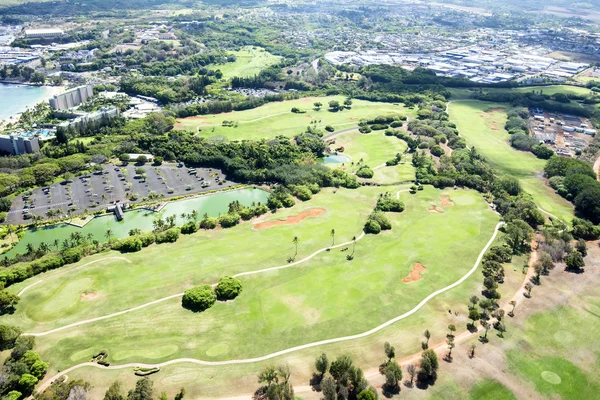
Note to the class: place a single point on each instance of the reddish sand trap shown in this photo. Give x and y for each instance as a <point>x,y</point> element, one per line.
<point>89,296</point>
<point>415,273</point>
<point>291,220</point>
<point>434,209</point>
<point>446,202</point>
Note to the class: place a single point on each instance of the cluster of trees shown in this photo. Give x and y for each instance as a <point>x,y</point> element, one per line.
<point>364,172</point>
<point>576,181</point>
<point>517,126</point>
<point>275,383</point>
<point>271,74</point>
<point>23,72</point>
<point>201,298</point>
<point>23,368</point>
<point>167,90</point>
<point>342,379</point>
<point>223,106</point>
<point>143,390</point>
<point>377,222</point>
<point>387,203</point>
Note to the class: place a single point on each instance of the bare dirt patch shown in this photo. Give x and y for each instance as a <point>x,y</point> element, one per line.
<point>446,202</point>
<point>89,296</point>
<point>415,273</point>
<point>313,212</point>
<point>435,209</point>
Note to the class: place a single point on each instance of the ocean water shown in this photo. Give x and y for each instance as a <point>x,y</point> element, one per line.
<point>15,99</point>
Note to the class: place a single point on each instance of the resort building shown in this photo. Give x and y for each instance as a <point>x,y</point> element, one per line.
<point>17,145</point>
<point>72,98</point>
<point>43,33</point>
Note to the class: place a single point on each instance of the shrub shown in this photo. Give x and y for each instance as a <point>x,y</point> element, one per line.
<point>437,150</point>
<point>246,213</point>
<point>209,223</point>
<point>261,209</point>
<point>302,192</point>
<point>542,152</point>
<point>329,128</point>
<point>396,124</point>
<point>199,298</point>
<point>372,226</point>
<point>379,127</point>
<point>229,219</point>
<point>147,239</point>
<point>365,172</point>
<point>364,129</point>
<point>168,236</point>
<point>128,245</point>
<point>71,255</point>
<point>228,288</point>
<point>381,219</point>
<point>387,203</point>
<point>189,228</point>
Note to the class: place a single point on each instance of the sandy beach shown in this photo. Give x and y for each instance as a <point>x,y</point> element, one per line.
<point>23,104</point>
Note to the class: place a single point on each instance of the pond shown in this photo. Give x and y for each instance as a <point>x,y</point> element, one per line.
<point>336,159</point>
<point>213,205</point>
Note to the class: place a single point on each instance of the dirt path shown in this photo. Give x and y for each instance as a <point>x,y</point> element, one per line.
<point>71,270</point>
<point>46,383</point>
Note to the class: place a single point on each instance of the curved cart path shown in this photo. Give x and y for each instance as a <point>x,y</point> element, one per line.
<point>173,296</point>
<point>70,270</point>
<point>49,381</point>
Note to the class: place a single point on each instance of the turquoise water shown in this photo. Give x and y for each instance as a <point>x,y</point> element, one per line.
<point>336,159</point>
<point>213,205</point>
<point>15,99</point>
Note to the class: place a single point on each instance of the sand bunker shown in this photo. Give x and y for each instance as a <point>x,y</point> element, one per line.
<point>415,273</point>
<point>446,202</point>
<point>291,220</point>
<point>435,209</point>
<point>89,296</point>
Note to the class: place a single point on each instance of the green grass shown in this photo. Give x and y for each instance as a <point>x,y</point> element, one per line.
<point>490,390</point>
<point>276,310</point>
<point>275,119</point>
<point>374,148</point>
<point>249,62</point>
<point>553,89</point>
<point>482,125</point>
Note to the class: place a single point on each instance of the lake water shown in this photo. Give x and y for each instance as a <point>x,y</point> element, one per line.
<point>213,205</point>
<point>336,159</point>
<point>15,99</point>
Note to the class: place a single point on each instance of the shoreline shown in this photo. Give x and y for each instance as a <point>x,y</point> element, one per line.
<point>49,92</point>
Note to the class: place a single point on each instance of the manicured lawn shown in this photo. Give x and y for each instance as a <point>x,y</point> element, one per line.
<point>372,149</point>
<point>249,62</point>
<point>275,119</point>
<point>490,390</point>
<point>553,89</point>
<point>482,125</point>
<point>399,173</point>
<point>326,297</point>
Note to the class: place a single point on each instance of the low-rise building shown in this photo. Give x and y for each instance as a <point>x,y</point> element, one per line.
<point>43,33</point>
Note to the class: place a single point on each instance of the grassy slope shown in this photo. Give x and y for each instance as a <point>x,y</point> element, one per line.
<point>485,131</point>
<point>298,305</point>
<point>275,119</point>
<point>249,62</point>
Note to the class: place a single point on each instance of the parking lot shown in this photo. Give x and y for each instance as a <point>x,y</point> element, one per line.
<point>114,184</point>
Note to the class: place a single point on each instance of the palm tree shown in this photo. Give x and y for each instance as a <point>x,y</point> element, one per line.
<point>89,236</point>
<point>194,215</point>
<point>44,248</point>
<point>108,234</point>
<point>184,216</point>
<point>56,243</point>
<point>29,248</point>
<point>472,348</point>
<point>427,335</point>
<point>332,234</point>
<point>295,241</point>
<point>9,229</point>
<point>353,244</point>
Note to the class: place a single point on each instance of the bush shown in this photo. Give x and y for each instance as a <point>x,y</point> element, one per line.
<point>389,204</point>
<point>329,128</point>
<point>542,152</point>
<point>209,223</point>
<point>365,172</point>
<point>199,298</point>
<point>229,219</point>
<point>128,245</point>
<point>379,127</point>
<point>228,288</point>
<point>302,192</point>
<point>437,151</point>
<point>71,255</point>
<point>364,129</point>
<point>396,124</point>
<point>381,219</point>
<point>168,236</point>
<point>189,228</point>
<point>246,213</point>
<point>372,226</point>
<point>147,239</point>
